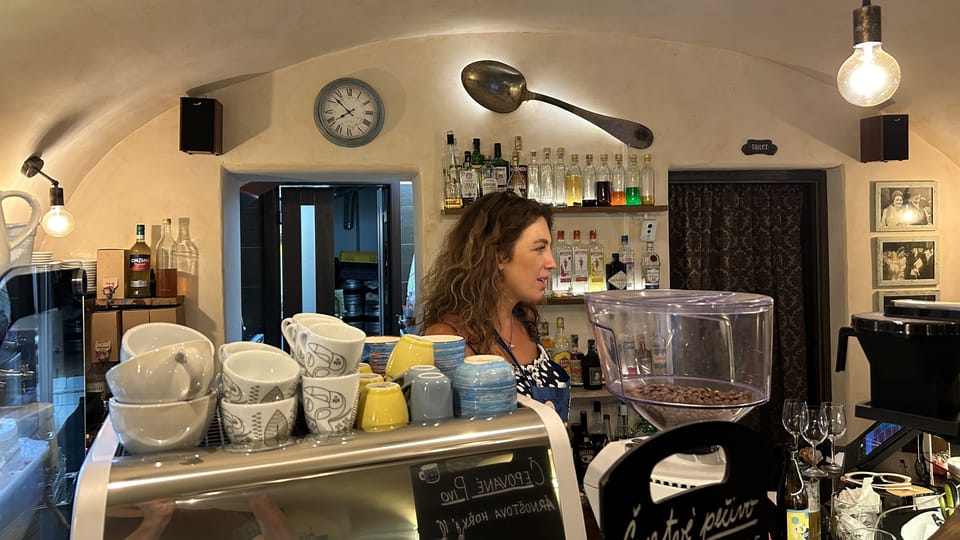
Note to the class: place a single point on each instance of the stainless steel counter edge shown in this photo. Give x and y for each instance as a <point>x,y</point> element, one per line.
<point>136,479</point>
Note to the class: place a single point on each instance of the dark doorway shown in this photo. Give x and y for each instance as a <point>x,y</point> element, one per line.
<point>332,248</point>
<point>763,232</point>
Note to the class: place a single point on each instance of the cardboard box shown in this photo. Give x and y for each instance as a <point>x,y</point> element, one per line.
<point>133,317</point>
<point>104,336</point>
<point>173,314</point>
<point>112,272</point>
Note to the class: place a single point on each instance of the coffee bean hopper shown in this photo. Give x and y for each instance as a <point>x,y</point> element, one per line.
<point>678,357</point>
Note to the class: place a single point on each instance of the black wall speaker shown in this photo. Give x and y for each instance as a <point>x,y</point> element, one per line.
<point>884,138</point>
<point>201,126</point>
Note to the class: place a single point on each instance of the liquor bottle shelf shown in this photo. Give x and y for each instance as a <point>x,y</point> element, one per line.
<point>578,392</point>
<point>584,209</point>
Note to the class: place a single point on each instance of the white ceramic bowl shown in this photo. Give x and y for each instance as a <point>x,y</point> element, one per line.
<point>259,376</point>
<point>150,336</point>
<point>144,429</point>
<point>178,372</point>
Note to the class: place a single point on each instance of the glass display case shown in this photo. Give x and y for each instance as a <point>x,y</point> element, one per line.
<point>42,412</point>
<point>505,477</point>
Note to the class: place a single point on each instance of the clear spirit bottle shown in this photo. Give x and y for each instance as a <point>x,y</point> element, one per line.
<point>604,182</point>
<point>451,170</point>
<point>633,182</point>
<point>188,260</point>
<point>164,263</point>
<point>648,181</point>
<point>469,182</point>
<point>595,259</point>
<point>574,182</point>
<point>564,257</point>
<point>651,268</point>
<point>618,193</point>
<point>533,177</point>
<point>629,262</point>
<point>518,181</point>
<point>522,156</point>
<point>559,179</point>
<point>546,179</point>
<point>488,177</point>
<point>589,182</point>
<point>581,269</point>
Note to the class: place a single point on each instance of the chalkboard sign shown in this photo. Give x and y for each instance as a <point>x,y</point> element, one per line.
<point>737,508</point>
<point>502,497</point>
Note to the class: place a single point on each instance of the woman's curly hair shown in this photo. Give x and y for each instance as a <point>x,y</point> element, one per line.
<point>464,280</point>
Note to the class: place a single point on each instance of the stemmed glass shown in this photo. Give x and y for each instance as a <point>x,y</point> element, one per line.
<point>792,418</point>
<point>814,431</point>
<point>836,427</point>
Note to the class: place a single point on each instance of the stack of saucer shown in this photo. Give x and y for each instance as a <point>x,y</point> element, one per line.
<point>44,258</point>
<point>89,266</point>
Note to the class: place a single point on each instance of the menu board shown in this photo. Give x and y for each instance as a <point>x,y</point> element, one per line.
<point>502,495</point>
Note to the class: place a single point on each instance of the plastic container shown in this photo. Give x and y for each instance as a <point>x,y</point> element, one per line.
<point>683,356</point>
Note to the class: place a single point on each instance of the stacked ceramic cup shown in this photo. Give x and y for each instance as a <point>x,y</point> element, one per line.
<point>328,352</point>
<point>163,396</point>
<point>376,352</point>
<point>258,384</point>
<point>448,352</point>
<point>484,386</point>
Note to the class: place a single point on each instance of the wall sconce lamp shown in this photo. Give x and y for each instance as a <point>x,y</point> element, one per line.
<point>57,221</point>
<point>870,76</point>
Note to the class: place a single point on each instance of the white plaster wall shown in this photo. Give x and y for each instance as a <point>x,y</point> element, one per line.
<point>702,104</point>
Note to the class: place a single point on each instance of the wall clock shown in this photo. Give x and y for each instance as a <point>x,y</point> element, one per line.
<point>348,112</point>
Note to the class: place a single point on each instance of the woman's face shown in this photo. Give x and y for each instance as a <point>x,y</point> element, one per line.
<point>897,200</point>
<point>525,275</point>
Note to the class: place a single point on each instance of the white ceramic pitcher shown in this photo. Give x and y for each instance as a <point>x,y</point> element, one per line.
<point>7,244</point>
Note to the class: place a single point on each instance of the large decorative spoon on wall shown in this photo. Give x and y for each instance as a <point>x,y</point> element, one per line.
<point>501,88</point>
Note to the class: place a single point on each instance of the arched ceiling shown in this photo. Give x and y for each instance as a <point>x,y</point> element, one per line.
<point>80,75</point>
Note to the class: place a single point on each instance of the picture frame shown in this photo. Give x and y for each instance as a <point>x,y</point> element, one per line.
<point>905,205</point>
<point>906,261</point>
<point>884,298</point>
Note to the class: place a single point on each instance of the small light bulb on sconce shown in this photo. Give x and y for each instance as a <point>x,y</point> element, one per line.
<point>869,77</point>
<point>58,221</point>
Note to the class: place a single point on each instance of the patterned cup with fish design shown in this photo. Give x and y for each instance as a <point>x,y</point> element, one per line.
<point>329,349</point>
<point>330,403</point>
<point>259,422</point>
<point>259,377</point>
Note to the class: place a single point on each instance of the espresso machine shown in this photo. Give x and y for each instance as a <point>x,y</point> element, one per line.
<point>711,360</point>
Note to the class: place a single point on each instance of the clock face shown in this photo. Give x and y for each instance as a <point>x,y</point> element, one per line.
<point>348,112</point>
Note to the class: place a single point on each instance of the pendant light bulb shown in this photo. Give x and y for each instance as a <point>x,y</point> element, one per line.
<point>58,221</point>
<point>870,76</point>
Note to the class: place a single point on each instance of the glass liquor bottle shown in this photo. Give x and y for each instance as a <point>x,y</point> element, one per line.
<point>518,181</point>
<point>604,182</point>
<point>138,264</point>
<point>794,504</point>
<point>501,168</point>
<point>623,423</point>
<point>164,264</point>
<point>581,268</point>
<point>647,182</point>
<point>522,158</point>
<point>561,347</point>
<point>533,177</point>
<point>546,179</point>
<point>651,268</point>
<point>488,177</point>
<point>589,182</point>
<point>629,262</point>
<point>545,338</point>
<point>564,257</point>
<point>559,179</point>
<point>583,448</point>
<point>574,182</point>
<point>592,374</point>
<point>188,260</point>
<point>618,193</point>
<point>576,361</point>
<point>469,181</point>
<point>633,182</point>
<point>476,163</point>
<point>596,264</point>
<point>616,274</point>
<point>451,170</point>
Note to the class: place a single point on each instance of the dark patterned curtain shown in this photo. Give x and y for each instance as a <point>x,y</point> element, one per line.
<point>748,237</point>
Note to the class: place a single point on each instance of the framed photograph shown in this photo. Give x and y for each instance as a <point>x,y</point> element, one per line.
<point>905,206</point>
<point>906,261</point>
<point>885,297</point>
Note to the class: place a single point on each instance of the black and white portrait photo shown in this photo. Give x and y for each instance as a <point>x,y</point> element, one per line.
<point>906,262</point>
<point>904,206</point>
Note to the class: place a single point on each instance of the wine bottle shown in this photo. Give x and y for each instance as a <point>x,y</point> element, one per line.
<point>813,498</point>
<point>592,374</point>
<point>794,503</point>
<point>164,264</point>
<point>138,265</point>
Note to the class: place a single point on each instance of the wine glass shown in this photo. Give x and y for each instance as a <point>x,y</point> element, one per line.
<point>791,418</point>
<point>814,431</point>
<point>836,427</point>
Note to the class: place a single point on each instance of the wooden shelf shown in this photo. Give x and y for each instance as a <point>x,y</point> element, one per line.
<point>584,210</point>
<point>564,301</point>
<point>578,392</point>
<point>124,303</point>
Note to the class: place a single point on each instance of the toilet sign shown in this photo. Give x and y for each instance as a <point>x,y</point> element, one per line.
<point>736,508</point>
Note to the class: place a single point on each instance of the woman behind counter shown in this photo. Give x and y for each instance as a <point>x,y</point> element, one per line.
<point>485,283</point>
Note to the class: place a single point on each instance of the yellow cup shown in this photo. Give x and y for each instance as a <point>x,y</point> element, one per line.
<point>365,379</point>
<point>365,368</point>
<point>410,351</point>
<point>384,407</point>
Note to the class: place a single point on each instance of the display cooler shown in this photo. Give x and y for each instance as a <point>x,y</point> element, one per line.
<point>504,477</point>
